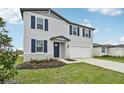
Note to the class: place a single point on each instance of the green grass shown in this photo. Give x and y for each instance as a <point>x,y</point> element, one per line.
<point>71,74</point>
<point>115,59</point>
<point>19,60</point>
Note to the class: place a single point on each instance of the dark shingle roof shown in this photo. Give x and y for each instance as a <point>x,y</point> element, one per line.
<point>120,45</point>
<point>107,45</point>
<point>101,45</point>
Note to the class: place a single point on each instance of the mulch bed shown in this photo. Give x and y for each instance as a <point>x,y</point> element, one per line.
<point>35,64</point>
<point>69,59</point>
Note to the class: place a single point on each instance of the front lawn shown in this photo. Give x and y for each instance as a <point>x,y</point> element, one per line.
<point>116,59</point>
<point>73,73</point>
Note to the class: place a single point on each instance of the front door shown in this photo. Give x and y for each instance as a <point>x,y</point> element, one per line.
<point>56,49</point>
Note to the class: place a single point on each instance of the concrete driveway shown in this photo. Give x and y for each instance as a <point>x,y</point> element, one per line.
<point>116,66</point>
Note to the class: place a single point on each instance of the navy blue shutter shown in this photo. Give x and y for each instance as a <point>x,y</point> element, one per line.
<point>33,45</point>
<point>33,22</point>
<point>46,24</point>
<point>89,34</point>
<point>70,29</point>
<point>83,32</point>
<point>78,31</point>
<point>45,46</point>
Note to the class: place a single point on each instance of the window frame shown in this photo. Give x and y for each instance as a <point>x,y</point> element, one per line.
<point>103,51</point>
<point>36,46</point>
<point>87,35</point>
<point>75,30</point>
<point>37,23</point>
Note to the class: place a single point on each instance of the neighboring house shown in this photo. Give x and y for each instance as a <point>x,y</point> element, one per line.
<point>106,49</point>
<point>49,35</point>
<point>99,50</point>
<point>117,50</point>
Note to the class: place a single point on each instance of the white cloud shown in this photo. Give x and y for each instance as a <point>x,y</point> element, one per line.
<point>121,39</point>
<point>11,15</point>
<point>103,30</point>
<point>87,22</point>
<point>110,42</point>
<point>20,48</point>
<point>96,30</point>
<point>113,40</point>
<point>107,11</point>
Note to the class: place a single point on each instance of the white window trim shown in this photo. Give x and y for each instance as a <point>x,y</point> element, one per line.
<point>87,34</point>
<point>36,23</point>
<point>104,50</point>
<point>36,46</point>
<point>76,30</point>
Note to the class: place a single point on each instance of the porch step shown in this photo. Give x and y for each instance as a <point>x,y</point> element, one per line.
<point>63,60</point>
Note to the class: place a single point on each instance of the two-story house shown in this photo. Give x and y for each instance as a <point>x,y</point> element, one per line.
<point>49,35</point>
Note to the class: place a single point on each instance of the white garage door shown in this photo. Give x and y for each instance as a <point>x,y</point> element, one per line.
<point>80,52</point>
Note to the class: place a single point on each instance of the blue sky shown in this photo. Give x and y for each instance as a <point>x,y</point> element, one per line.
<point>108,23</point>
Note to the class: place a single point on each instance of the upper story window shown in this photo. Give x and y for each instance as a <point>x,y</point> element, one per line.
<point>39,23</point>
<point>86,33</point>
<point>39,45</point>
<point>74,30</point>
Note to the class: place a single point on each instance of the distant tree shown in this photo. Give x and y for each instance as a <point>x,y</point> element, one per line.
<point>7,55</point>
<point>19,52</point>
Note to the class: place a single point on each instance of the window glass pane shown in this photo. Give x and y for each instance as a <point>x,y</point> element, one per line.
<point>103,49</point>
<point>39,43</point>
<point>39,23</point>
<point>74,30</point>
<point>86,35</point>
<point>39,46</point>
<point>39,26</point>
<point>39,49</point>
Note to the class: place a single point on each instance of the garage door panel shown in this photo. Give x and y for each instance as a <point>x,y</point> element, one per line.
<point>80,52</point>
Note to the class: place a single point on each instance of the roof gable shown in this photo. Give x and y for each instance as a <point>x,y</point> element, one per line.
<point>47,13</point>
<point>52,11</point>
<point>61,38</point>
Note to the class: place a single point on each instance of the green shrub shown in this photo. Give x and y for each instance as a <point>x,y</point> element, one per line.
<point>7,61</point>
<point>7,55</point>
<point>106,56</point>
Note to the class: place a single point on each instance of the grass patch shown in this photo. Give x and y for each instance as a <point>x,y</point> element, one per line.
<point>19,60</point>
<point>115,59</point>
<point>78,73</point>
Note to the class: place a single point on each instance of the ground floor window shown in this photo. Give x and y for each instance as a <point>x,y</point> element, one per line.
<point>103,49</point>
<point>39,45</point>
